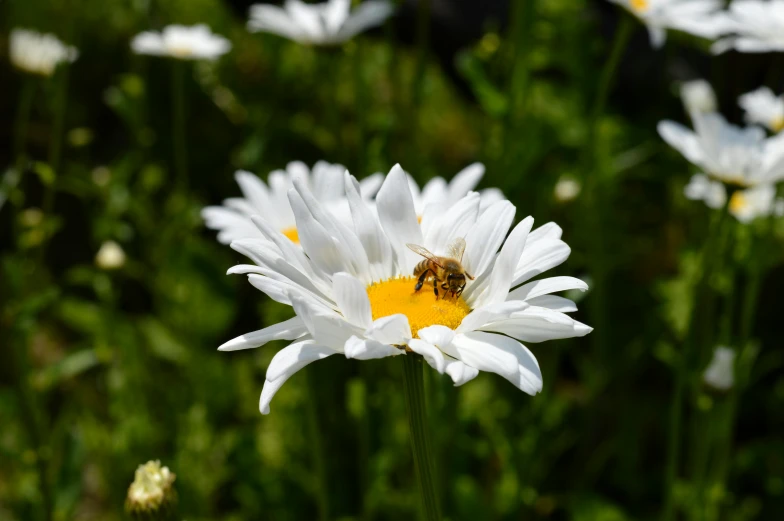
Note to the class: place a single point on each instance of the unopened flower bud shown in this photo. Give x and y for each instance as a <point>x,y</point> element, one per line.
<point>110,256</point>
<point>151,496</point>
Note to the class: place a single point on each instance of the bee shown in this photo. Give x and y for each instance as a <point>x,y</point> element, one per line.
<point>448,271</point>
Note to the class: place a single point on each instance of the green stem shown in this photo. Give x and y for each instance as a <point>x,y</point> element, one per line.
<point>707,263</point>
<point>316,435</point>
<point>593,197</point>
<point>23,110</point>
<point>423,40</point>
<point>414,391</point>
<point>178,124</point>
<point>360,101</point>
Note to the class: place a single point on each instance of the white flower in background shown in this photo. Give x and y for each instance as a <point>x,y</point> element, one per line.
<point>110,256</point>
<point>698,97</point>
<point>38,53</point>
<point>754,26</point>
<point>758,201</point>
<point>764,107</point>
<point>692,16</point>
<point>703,188</point>
<point>566,189</point>
<point>182,42</point>
<point>352,288</point>
<point>270,200</point>
<point>327,23</point>
<point>720,373</point>
<point>442,194</point>
<point>733,155</point>
<point>745,205</point>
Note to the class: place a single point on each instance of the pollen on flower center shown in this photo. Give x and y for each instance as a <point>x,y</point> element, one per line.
<point>292,234</point>
<point>639,5</point>
<point>395,296</point>
<point>737,202</point>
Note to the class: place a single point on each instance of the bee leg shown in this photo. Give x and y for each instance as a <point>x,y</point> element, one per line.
<point>435,287</point>
<point>421,280</point>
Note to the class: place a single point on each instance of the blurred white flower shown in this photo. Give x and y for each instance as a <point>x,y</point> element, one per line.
<point>442,194</point>
<point>352,288</point>
<point>764,107</point>
<point>691,16</point>
<point>182,42</point>
<point>327,23</point>
<point>270,201</point>
<point>733,155</point>
<point>38,53</point>
<point>698,97</point>
<point>755,26</point>
<point>110,256</point>
<point>703,188</point>
<point>566,189</point>
<point>152,493</point>
<point>759,201</point>
<point>720,373</point>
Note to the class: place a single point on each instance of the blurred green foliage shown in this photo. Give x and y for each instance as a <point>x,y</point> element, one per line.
<point>104,370</point>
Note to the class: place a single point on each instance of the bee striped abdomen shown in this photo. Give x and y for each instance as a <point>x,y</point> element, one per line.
<point>422,266</point>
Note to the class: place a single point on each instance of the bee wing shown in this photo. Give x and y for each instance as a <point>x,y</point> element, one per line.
<point>457,248</point>
<point>424,252</point>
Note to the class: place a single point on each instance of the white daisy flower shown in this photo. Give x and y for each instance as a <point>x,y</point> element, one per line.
<point>698,96</point>
<point>703,188</point>
<point>270,200</point>
<point>720,373</point>
<point>38,53</point>
<point>353,292</point>
<point>328,23</point>
<point>442,194</point>
<point>758,201</point>
<point>764,108</point>
<point>733,155</point>
<point>755,26</point>
<point>182,42</point>
<point>691,16</point>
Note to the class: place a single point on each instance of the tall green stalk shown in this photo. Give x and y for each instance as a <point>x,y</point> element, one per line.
<point>178,123</point>
<point>23,110</point>
<point>685,363</point>
<point>319,453</point>
<point>414,391</point>
<point>593,197</point>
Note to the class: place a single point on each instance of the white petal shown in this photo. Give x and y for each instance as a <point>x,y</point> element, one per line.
<point>504,268</point>
<point>539,324</point>
<point>285,363</point>
<point>370,234</point>
<point>393,329</point>
<point>546,286</point>
<point>488,314</point>
<point>324,251</point>
<point>367,14</point>
<point>437,335</point>
<point>465,181</point>
<point>487,235</point>
<point>429,352</point>
<point>681,139</point>
<point>554,302</point>
<point>291,329</point>
<point>369,349</point>
<point>539,257</point>
<point>460,372</point>
<point>352,299</point>
<point>398,218</point>
<point>479,350</point>
<point>453,224</point>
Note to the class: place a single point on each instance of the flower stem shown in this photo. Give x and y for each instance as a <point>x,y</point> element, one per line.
<point>414,390</point>
<point>178,124</point>
<point>423,41</point>
<point>316,434</point>
<point>22,121</point>
<point>707,263</point>
<point>593,198</point>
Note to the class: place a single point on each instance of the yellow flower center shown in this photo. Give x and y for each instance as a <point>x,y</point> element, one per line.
<point>395,296</point>
<point>639,5</point>
<point>737,202</point>
<point>777,125</point>
<point>292,234</point>
<point>180,51</point>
